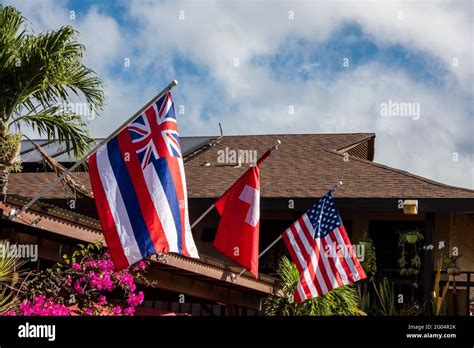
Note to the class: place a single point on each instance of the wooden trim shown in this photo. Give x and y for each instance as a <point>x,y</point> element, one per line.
<point>180,264</point>
<point>428,259</point>
<point>224,275</point>
<point>48,224</point>
<point>460,205</point>
<point>202,289</point>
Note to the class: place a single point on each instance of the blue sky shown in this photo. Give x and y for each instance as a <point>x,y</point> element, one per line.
<point>290,54</point>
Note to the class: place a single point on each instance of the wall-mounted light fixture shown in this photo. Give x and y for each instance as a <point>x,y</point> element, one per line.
<point>410,206</point>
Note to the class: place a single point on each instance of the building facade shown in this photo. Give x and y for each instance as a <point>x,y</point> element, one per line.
<point>375,201</point>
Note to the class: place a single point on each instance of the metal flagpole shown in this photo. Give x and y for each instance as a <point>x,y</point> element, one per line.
<point>202,216</point>
<point>14,214</point>
<point>273,148</point>
<point>335,187</point>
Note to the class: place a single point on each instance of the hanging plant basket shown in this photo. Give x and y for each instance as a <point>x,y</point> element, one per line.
<point>411,238</point>
<point>453,271</point>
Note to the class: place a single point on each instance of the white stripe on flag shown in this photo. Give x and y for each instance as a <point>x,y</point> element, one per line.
<point>306,274</point>
<point>188,235</point>
<point>348,258</point>
<point>297,251</point>
<point>304,240</point>
<point>335,257</point>
<point>310,283</point>
<point>327,266</point>
<point>301,292</point>
<point>315,257</point>
<point>162,207</point>
<point>117,206</point>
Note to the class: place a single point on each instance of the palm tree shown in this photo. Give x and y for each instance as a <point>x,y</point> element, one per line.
<point>339,301</point>
<point>40,74</point>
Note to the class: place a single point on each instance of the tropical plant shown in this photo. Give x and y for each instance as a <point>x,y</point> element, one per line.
<point>410,261</point>
<point>40,76</point>
<point>82,284</point>
<point>383,303</point>
<point>386,297</point>
<point>369,264</point>
<point>439,299</point>
<point>9,275</point>
<point>340,301</point>
<point>451,264</point>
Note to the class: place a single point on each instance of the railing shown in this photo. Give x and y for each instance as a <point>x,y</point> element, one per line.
<point>468,284</point>
<point>464,280</point>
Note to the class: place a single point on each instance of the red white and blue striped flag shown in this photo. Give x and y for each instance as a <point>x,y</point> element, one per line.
<point>321,249</point>
<point>140,188</point>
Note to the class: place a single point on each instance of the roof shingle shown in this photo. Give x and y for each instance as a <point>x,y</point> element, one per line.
<point>306,165</point>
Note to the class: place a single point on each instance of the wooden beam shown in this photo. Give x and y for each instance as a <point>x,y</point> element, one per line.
<point>428,259</point>
<point>189,286</point>
<point>355,204</point>
<point>223,275</point>
<point>45,222</point>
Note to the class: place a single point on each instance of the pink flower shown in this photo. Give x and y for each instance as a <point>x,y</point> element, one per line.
<point>102,299</point>
<point>76,266</point>
<point>91,264</point>
<point>129,310</point>
<point>127,279</point>
<point>135,299</point>
<point>69,281</point>
<point>142,265</point>
<point>89,311</point>
<point>117,310</point>
<point>78,287</point>
<point>41,307</point>
<point>9,313</point>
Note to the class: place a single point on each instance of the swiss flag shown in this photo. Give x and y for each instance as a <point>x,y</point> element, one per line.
<point>238,232</point>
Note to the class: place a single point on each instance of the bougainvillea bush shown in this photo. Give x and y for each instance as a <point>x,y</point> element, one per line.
<point>85,283</point>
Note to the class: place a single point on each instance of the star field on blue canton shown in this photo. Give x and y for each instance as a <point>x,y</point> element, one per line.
<point>324,216</point>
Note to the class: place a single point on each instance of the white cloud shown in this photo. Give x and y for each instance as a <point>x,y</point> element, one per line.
<point>249,99</point>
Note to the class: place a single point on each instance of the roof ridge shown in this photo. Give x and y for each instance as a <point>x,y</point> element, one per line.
<point>292,134</point>
<point>358,142</point>
<point>403,172</point>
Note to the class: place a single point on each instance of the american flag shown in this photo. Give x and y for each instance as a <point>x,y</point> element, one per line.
<point>321,249</point>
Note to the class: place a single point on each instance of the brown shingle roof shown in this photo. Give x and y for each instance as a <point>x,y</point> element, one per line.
<point>306,165</point>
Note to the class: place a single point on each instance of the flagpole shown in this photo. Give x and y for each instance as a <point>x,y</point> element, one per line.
<point>273,148</point>
<point>14,214</point>
<point>203,215</point>
<point>335,187</point>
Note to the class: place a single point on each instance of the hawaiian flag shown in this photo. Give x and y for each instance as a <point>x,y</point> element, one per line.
<point>320,247</point>
<point>140,188</point>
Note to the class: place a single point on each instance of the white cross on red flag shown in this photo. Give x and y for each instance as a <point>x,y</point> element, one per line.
<point>239,228</point>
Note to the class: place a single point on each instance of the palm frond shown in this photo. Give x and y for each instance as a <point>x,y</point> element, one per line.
<point>340,301</point>
<point>66,127</point>
<point>9,274</point>
<point>41,72</point>
<point>70,183</point>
